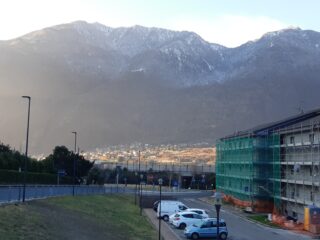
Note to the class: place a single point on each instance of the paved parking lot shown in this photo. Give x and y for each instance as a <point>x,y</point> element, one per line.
<point>240,228</point>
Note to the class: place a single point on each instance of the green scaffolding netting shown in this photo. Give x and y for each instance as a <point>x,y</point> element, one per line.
<point>248,168</point>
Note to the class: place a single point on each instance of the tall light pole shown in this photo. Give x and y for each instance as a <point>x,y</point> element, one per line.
<point>135,191</point>
<point>74,161</point>
<point>160,184</point>
<point>138,174</point>
<point>217,204</point>
<point>27,144</point>
<point>141,178</point>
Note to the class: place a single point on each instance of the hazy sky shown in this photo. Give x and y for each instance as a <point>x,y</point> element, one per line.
<point>228,22</point>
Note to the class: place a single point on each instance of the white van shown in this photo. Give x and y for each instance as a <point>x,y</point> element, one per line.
<point>168,208</point>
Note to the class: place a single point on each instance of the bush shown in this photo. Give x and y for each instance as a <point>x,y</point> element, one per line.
<point>15,177</point>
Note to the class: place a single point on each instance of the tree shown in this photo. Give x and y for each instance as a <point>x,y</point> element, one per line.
<point>4,148</point>
<point>63,159</point>
<point>98,175</point>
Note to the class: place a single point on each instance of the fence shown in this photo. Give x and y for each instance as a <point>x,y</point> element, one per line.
<point>167,167</point>
<point>13,193</point>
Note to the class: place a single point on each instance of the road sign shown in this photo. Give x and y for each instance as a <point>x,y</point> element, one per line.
<point>175,183</point>
<point>62,172</point>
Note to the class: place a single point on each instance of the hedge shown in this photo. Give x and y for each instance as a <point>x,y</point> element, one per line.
<point>15,177</point>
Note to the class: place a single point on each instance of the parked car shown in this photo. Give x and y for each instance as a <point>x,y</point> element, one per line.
<point>207,229</point>
<point>183,219</point>
<point>171,217</point>
<point>156,203</point>
<point>202,212</point>
<point>168,208</point>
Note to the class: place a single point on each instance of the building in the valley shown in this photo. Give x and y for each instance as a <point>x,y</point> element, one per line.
<point>274,166</point>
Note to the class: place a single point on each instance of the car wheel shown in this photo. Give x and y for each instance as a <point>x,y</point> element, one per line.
<point>223,236</point>
<point>194,236</point>
<point>166,218</point>
<point>182,226</point>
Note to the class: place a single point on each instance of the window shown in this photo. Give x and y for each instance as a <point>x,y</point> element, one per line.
<point>294,214</point>
<point>188,215</point>
<point>222,224</point>
<point>311,138</point>
<point>207,225</point>
<point>292,139</point>
<point>199,212</point>
<point>316,170</point>
<point>311,196</point>
<point>292,194</point>
<point>197,216</point>
<point>182,207</point>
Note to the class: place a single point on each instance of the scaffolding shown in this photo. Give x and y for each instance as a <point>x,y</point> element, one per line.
<point>280,165</point>
<point>248,169</point>
<point>300,165</point>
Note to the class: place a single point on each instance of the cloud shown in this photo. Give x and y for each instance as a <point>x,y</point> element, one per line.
<point>231,30</point>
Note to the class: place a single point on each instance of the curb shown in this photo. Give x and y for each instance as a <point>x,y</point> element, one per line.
<point>163,225</point>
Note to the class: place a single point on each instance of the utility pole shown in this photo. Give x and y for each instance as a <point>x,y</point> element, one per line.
<point>26,155</point>
<point>139,183</point>
<point>74,161</point>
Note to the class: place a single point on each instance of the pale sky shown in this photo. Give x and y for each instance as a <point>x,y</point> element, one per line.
<point>227,22</point>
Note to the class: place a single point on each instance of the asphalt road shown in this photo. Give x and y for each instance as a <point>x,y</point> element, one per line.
<point>240,228</point>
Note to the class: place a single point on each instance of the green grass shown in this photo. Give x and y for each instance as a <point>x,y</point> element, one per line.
<point>264,220</point>
<point>118,212</point>
<point>18,223</point>
<point>110,217</point>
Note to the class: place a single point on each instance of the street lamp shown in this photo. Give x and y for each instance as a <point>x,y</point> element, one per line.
<point>217,204</point>
<point>140,199</point>
<point>135,191</point>
<point>74,161</point>
<point>160,184</point>
<point>25,159</point>
<point>137,179</point>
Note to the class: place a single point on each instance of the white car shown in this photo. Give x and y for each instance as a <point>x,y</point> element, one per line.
<point>171,217</point>
<point>169,208</point>
<point>184,219</point>
<point>202,212</point>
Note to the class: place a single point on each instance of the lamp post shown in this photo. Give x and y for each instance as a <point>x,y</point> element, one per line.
<point>160,184</point>
<point>74,161</point>
<point>135,191</point>
<point>217,204</point>
<point>140,199</point>
<point>27,144</point>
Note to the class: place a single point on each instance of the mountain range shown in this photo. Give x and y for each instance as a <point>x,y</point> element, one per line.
<point>150,85</point>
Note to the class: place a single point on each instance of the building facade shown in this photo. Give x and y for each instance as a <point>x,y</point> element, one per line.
<point>273,167</point>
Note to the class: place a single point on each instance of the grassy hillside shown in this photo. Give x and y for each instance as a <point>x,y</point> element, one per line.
<point>80,217</point>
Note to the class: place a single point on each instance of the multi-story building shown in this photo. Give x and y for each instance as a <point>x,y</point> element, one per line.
<point>273,167</point>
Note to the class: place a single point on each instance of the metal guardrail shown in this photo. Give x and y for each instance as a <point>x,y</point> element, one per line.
<point>13,193</point>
